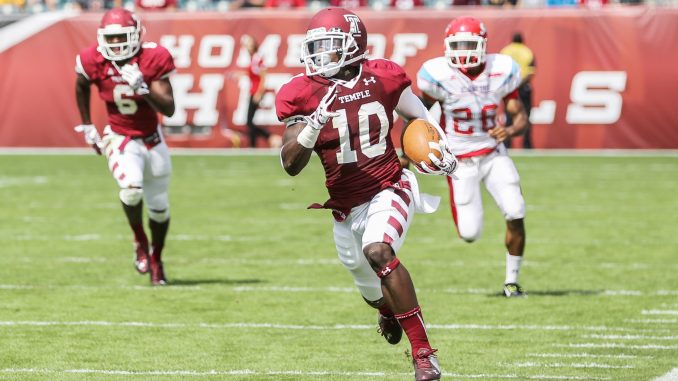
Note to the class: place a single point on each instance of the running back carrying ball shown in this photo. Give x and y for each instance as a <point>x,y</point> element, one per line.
<point>416,141</point>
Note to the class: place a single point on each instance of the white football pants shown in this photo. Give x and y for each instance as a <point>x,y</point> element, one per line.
<point>386,218</point>
<point>502,181</point>
<point>137,166</point>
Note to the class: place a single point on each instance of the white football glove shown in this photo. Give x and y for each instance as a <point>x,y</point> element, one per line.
<point>135,78</point>
<point>322,114</point>
<point>445,166</point>
<point>91,136</point>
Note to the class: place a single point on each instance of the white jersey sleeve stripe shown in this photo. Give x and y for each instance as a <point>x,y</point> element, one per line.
<point>512,80</point>
<point>78,67</point>
<point>424,75</point>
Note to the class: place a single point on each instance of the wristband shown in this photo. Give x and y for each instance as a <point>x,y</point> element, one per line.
<point>308,136</point>
<point>143,89</point>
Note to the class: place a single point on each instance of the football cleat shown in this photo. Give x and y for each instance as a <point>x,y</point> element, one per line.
<point>513,290</point>
<point>157,272</point>
<point>426,366</point>
<point>140,258</point>
<point>390,329</point>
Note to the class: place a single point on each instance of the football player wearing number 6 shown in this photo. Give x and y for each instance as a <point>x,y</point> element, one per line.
<point>342,108</point>
<point>470,87</point>
<point>133,80</point>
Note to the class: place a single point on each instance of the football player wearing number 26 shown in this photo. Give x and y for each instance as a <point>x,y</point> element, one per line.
<point>470,86</point>
<point>342,108</point>
<point>133,80</point>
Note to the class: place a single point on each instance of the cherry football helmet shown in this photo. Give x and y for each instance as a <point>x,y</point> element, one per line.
<point>465,42</point>
<point>119,35</point>
<point>335,38</point>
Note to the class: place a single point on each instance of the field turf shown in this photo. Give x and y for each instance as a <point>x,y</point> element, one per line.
<point>257,292</point>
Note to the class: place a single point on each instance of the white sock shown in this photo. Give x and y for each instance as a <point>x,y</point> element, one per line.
<point>513,263</point>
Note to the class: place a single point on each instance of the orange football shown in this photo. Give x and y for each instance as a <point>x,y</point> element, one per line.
<point>416,138</point>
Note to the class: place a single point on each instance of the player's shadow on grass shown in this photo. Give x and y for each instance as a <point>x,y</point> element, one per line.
<point>556,293</point>
<point>225,281</point>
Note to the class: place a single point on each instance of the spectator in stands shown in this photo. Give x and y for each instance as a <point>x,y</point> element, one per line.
<point>466,2</point>
<point>525,58</point>
<point>285,4</point>
<point>349,4</point>
<point>156,5</point>
<point>406,4</point>
<point>243,4</point>
<point>502,3</point>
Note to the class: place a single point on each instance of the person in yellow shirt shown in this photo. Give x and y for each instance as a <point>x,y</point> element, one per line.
<point>525,59</point>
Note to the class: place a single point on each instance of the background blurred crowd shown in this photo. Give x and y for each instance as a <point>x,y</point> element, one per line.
<point>14,7</point>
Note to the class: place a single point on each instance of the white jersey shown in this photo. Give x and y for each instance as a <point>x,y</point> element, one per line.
<point>470,106</point>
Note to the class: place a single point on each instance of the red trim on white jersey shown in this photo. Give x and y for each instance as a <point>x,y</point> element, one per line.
<point>453,206</point>
<point>479,152</point>
<point>512,95</point>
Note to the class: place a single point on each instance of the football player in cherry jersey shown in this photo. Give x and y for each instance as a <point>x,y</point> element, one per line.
<point>133,80</point>
<point>342,108</point>
<point>470,86</point>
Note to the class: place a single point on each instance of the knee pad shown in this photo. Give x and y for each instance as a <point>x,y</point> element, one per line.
<point>159,215</point>
<point>515,212</point>
<point>470,229</point>
<point>374,303</point>
<point>469,236</point>
<point>131,196</point>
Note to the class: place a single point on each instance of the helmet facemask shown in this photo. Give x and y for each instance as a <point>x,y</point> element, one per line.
<point>118,51</point>
<point>325,53</point>
<point>465,50</point>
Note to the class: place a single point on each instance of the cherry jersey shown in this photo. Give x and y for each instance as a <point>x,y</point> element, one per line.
<point>470,105</point>
<point>128,114</point>
<point>355,147</point>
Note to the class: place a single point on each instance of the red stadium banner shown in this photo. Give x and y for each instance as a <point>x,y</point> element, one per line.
<point>604,77</point>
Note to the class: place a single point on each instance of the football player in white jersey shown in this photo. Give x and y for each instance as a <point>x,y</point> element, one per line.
<point>470,86</point>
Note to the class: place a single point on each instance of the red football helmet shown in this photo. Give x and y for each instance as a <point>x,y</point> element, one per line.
<point>465,42</point>
<point>119,35</point>
<point>335,38</point>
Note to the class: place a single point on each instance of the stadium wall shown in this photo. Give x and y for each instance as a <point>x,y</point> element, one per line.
<point>605,77</point>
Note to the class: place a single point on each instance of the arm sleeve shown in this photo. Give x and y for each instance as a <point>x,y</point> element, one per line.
<point>512,95</point>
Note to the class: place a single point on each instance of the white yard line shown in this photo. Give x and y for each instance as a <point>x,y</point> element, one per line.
<point>326,259</point>
<point>331,290</point>
<point>249,372</point>
<point>240,325</point>
<point>672,375</point>
<point>660,312</point>
<point>630,337</point>
<point>168,288</point>
<point>615,345</point>
<point>573,365</point>
<point>14,181</point>
<point>652,321</point>
<point>583,355</point>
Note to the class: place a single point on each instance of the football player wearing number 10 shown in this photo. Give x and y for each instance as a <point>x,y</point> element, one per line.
<point>470,87</point>
<point>133,79</point>
<point>342,108</point>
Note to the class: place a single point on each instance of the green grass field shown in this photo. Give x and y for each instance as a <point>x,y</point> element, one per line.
<point>258,294</point>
